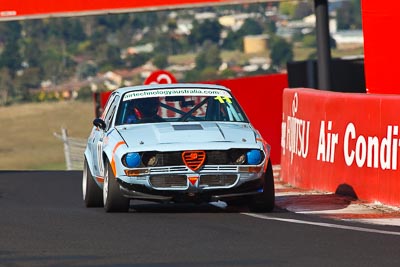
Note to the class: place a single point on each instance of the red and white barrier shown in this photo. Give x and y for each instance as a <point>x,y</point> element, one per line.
<point>339,140</point>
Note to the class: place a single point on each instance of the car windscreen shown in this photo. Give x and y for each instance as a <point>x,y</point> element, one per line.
<point>178,105</point>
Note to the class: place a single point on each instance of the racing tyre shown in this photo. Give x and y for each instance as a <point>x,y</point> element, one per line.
<point>92,194</point>
<point>113,199</point>
<point>265,202</point>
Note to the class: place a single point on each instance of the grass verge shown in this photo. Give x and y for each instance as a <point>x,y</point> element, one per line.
<point>27,141</point>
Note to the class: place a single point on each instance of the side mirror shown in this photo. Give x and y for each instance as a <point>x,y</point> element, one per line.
<point>99,123</point>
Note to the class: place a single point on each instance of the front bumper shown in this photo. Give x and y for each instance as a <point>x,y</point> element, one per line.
<point>181,184</point>
<point>137,191</point>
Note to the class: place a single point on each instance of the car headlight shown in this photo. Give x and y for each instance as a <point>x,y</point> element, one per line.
<point>240,159</point>
<point>132,160</point>
<point>150,159</point>
<point>253,157</point>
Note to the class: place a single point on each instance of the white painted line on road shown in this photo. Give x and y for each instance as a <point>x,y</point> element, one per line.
<point>383,221</point>
<point>328,225</point>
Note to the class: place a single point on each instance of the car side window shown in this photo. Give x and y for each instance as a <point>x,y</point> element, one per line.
<point>110,111</point>
<point>107,106</point>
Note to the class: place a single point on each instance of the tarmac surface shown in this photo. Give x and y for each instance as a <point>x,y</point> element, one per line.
<point>44,223</point>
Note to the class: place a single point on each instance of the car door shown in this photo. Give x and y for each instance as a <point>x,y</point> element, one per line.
<point>98,138</point>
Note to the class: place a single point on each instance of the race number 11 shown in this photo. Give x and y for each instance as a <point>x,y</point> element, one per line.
<point>223,99</point>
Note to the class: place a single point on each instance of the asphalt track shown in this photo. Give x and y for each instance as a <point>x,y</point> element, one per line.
<point>43,222</point>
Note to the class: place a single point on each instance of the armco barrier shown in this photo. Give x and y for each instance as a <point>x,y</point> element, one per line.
<point>334,141</point>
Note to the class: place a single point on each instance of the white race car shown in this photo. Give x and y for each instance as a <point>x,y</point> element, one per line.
<point>176,143</point>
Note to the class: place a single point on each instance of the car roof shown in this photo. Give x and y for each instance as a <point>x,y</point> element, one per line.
<point>123,90</point>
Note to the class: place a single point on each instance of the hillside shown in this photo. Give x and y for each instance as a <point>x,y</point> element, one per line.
<point>27,141</point>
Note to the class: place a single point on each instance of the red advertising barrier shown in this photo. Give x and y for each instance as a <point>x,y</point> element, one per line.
<point>261,98</point>
<point>380,22</point>
<point>338,140</point>
<point>12,9</point>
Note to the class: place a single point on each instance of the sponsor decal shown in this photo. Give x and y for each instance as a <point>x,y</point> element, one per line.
<point>295,133</point>
<point>361,150</point>
<point>347,144</point>
<point>327,142</point>
<point>176,92</point>
<point>8,13</point>
<point>369,150</point>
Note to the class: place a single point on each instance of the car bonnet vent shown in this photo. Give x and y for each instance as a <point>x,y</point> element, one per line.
<point>187,127</point>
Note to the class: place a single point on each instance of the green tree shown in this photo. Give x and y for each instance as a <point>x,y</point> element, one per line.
<point>227,73</point>
<point>209,57</point>
<point>233,41</point>
<point>6,87</point>
<point>113,22</point>
<point>250,27</point>
<point>208,73</point>
<point>52,64</point>
<point>208,30</point>
<point>192,76</point>
<point>167,43</point>
<point>86,69</point>
<point>310,40</point>
<point>271,27</point>
<point>160,60</point>
<point>85,93</point>
<point>349,15</point>
<point>32,52</point>
<point>70,30</point>
<point>30,78</point>
<point>11,58</point>
<point>281,52</point>
<point>11,55</point>
<point>137,60</point>
<point>114,56</point>
<point>288,8</point>
<point>303,9</point>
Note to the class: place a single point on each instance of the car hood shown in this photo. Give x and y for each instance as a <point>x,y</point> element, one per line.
<point>188,135</point>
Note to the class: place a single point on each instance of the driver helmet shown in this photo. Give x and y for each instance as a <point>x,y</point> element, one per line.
<point>147,107</point>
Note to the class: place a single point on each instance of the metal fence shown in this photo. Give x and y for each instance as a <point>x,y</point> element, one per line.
<point>73,150</point>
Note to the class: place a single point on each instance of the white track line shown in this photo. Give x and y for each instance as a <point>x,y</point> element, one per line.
<point>328,225</point>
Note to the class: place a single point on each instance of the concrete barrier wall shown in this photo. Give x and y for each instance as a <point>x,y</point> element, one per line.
<point>339,141</point>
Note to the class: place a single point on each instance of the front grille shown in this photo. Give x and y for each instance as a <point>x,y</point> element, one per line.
<point>169,159</point>
<point>213,157</point>
<point>217,157</point>
<point>168,181</point>
<point>217,180</point>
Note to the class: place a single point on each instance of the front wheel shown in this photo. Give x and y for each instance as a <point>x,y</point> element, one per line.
<point>113,199</point>
<point>265,201</point>
<point>92,195</point>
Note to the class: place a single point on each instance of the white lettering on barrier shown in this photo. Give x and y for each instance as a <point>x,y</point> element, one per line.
<point>363,151</point>
<point>295,133</point>
<point>327,143</point>
<point>369,151</point>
